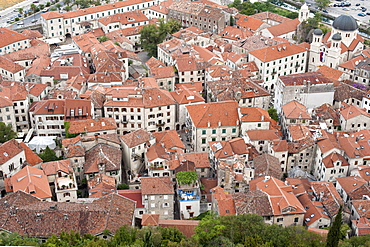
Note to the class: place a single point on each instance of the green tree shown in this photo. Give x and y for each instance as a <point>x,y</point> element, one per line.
<point>20,10</point>
<point>322,3</point>
<point>33,8</point>
<point>236,4</point>
<point>186,177</point>
<point>123,187</point>
<point>58,6</point>
<point>314,22</point>
<point>67,2</point>
<point>67,8</point>
<point>48,155</point>
<point>273,114</point>
<point>69,239</point>
<point>53,8</point>
<point>152,35</point>
<point>103,39</point>
<point>48,4</point>
<point>16,19</point>
<point>13,239</point>
<point>232,20</point>
<point>6,132</point>
<point>334,232</point>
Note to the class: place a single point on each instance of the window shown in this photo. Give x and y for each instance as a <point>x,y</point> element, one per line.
<point>233,130</point>
<point>213,132</point>
<point>165,197</point>
<point>204,132</point>
<point>223,131</point>
<point>152,197</point>
<point>152,205</point>
<point>203,141</point>
<point>280,219</point>
<point>188,207</point>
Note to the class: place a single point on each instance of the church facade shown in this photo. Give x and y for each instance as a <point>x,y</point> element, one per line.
<point>337,46</point>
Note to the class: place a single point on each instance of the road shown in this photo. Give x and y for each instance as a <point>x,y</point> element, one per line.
<point>337,11</point>
<point>10,13</point>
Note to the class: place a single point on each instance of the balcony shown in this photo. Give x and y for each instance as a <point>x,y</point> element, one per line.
<point>188,195</point>
<point>160,124</point>
<point>65,183</point>
<point>156,167</point>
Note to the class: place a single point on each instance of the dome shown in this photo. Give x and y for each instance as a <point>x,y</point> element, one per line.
<point>317,31</point>
<point>345,23</point>
<point>337,37</point>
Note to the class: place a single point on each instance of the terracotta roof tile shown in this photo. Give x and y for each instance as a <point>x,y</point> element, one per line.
<point>91,125</point>
<point>31,180</point>
<point>9,149</point>
<point>8,36</point>
<point>163,72</point>
<point>330,72</point>
<point>31,157</point>
<point>295,110</point>
<point>136,138</point>
<point>156,186</point>
<point>249,22</point>
<point>330,199</point>
<point>277,51</point>
<point>252,202</point>
<point>281,196</point>
<point>255,135</point>
<point>52,168</point>
<point>101,185</point>
<point>109,212</point>
<point>110,156</point>
<point>214,114</point>
<point>283,28</point>
<point>124,18</point>
<point>267,165</point>
<point>134,194</point>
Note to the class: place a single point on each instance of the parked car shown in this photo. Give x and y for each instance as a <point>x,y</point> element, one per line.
<point>368,13</point>
<point>36,1</point>
<point>34,21</point>
<point>20,23</point>
<point>325,11</point>
<point>358,4</point>
<point>345,9</point>
<point>361,14</point>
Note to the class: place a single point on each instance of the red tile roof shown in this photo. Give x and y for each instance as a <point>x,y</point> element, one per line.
<point>295,110</point>
<point>31,157</point>
<point>8,36</point>
<point>31,180</point>
<point>283,28</point>
<point>134,194</point>
<point>214,114</point>
<point>156,186</point>
<point>92,125</point>
<point>271,53</point>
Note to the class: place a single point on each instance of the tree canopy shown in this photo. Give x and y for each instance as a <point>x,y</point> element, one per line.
<point>48,155</point>
<point>322,3</point>
<point>6,132</point>
<point>152,35</point>
<point>187,177</point>
<point>248,8</point>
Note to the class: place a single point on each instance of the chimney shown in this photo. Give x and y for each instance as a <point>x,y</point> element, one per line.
<point>219,123</point>
<point>209,124</point>
<point>262,118</point>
